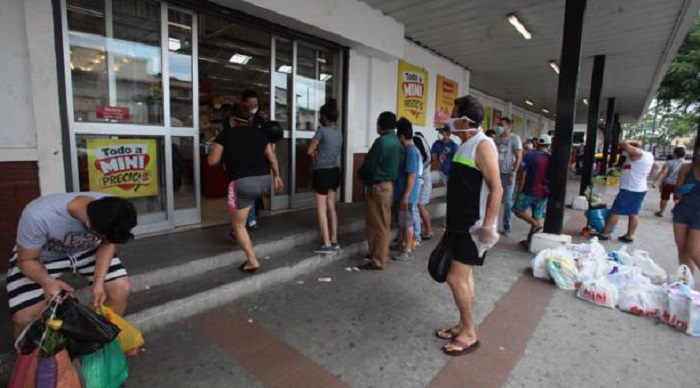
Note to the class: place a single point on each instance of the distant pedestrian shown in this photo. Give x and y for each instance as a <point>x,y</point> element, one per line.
<point>425,231</point>
<point>633,189</point>
<point>248,158</point>
<point>407,188</point>
<point>473,194</point>
<point>668,176</point>
<point>534,186</point>
<point>686,213</point>
<point>443,150</point>
<point>325,148</point>
<point>378,172</point>
<point>510,155</point>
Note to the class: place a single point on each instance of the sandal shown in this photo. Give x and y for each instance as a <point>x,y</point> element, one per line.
<point>465,348</point>
<point>659,214</point>
<point>446,334</point>
<point>426,236</point>
<point>248,270</point>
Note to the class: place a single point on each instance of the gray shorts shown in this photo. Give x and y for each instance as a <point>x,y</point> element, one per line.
<point>405,217</point>
<point>243,192</point>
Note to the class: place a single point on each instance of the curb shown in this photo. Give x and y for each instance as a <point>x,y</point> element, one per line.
<point>173,311</point>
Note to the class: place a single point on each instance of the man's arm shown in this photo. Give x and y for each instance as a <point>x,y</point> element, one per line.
<point>633,148</point>
<point>29,263</point>
<point>407,193</point>
<point>661,176</point>
<point>103,259</point>
<point>487,161</point>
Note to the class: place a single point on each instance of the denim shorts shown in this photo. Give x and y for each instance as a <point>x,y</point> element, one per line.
<point>687,215</point>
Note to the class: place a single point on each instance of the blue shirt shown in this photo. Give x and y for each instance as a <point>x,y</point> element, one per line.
<point>410,163</point>
<point>448,151</point>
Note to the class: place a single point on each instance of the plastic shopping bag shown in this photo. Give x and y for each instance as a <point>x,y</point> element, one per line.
<point>564,273</point>
<point>441,258</point>
<point>676,307</point>
<point>642,300</point>
<point>650,269</point>
<point>595,269</point>
<point>105,368</point>
<point>694,319</point>
<point>483,246</point>
<point>67,374</point>
<point>539,264</point>
<point>24,372</point>
<point>86,331</point>
<point>591,250</point>
<point>599,291</point>
<point>130,337</point>
<point>683,275</point>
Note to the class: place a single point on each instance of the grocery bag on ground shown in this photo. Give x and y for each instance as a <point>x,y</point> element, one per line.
<point>599,291</point>
<point>595,269</point>
<point>441,258</point>
<point>130,338</point>
<point>591,250</point>
<point>105,368</point>
<point>642,300</point>
<point>539,264</point>
<point>86,331</point>
<point>649,268</point>
<point>683,275</point>
<point>676,306</point>
<point>623,275</point>
<point>564,273</point>
<point>694,321</point>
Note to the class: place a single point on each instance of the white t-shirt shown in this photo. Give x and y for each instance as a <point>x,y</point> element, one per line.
<point>635,172</point>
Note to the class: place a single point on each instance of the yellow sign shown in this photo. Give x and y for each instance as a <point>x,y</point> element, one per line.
<point>446,93</point>
<point>486,124</point>
<point>518,125</point>
<point>413,93</point>
<point>123,167</point>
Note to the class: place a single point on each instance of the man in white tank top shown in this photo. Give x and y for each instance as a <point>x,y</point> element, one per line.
<point>633,189</point>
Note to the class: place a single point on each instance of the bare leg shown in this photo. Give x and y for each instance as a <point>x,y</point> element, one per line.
<point>461,282</point>
<point>692,246</point>
<point>322,215</point>
<point>632,225</point>
<point>24,317</point>
<point>238,221</point>
<point>662,206</point>
<point>610,224</point>
<point>332,216</point>
<point>680,233</point>
<point>527,218</point>
<point>408,238</point>
<point>425,216</point>
<point>118,291</point>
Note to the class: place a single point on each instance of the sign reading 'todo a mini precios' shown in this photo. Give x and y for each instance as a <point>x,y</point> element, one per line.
<point>123,167</point>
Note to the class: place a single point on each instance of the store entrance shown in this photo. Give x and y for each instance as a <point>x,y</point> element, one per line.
<point>293,78</point>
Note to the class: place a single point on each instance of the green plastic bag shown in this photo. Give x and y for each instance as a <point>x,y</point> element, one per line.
<point>105,368</point>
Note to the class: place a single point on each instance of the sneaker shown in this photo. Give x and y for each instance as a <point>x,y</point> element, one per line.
<point>507,232</point>
<point>335,246</point>
<point>325,250</point>
<point>404,256</point>
<point>253,226</point>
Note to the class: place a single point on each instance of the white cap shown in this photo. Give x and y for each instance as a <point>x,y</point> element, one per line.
<point>544,139</point>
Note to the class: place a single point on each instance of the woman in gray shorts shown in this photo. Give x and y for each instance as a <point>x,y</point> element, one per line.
<point>248,158</point>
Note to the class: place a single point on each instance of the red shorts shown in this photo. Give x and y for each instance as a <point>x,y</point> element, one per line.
<point>666,191</point>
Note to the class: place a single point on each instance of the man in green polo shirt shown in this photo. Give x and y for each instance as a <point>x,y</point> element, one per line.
<point>378,172</point>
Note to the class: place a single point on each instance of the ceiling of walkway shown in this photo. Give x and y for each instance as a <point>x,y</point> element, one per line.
<point>639,38</point>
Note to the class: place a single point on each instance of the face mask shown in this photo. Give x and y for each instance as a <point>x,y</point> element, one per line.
<point>254,110</point>
<point>500,130</point>
<point>529,146</point>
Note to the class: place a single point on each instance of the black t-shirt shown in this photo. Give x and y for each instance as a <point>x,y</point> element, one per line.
<point>244,152</point>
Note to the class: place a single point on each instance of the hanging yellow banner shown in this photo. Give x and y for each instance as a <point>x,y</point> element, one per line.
<point>412,93</point>
<point>123,167</point>
<point>486,124</point>
<point>446,93</point>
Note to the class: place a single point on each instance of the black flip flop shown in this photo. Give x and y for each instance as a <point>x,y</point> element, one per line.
<point>466,348</point>
<point>369,267</point>
<point>248,270</point>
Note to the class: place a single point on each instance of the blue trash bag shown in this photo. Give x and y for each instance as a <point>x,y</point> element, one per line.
<point>597,218</point>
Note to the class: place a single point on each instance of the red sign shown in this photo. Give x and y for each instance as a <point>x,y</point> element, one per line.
<point>106,112</point>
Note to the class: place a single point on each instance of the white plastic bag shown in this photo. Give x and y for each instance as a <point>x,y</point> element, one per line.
<point>483,246</point>
<point>539,264</point>
<point>624,275</point>
<point>683,275</point>
<point>676,306</point>
<point>642,300</point>
<point>592,250</point>
<point>649,268</point>
<point>564,272</point>
<point>694,319</point>
<point>595,269</point>
<point>625,257</point>
<point>599,291</point>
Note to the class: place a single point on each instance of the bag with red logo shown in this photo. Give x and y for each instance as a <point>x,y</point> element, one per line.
<point>676,308</point>
<point>599,291</point>
<point>642,300</point>
<point>694,321</point>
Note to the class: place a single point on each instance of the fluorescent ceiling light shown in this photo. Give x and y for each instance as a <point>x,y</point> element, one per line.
<point>529,102</point>
<point>178,25</point>
<point>545,111</point>
<point>553,64</point>
<point>325,77</point>
<point>174,44</point>
<point>285,69</point>
<point>519,26</point>
<point>241,59</point>
<point>585,102</point>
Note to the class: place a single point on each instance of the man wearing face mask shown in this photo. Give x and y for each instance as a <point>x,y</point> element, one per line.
<point>510,155</point>
<point>251,100</point>
<point>633,189</point>
<point>473,195</point>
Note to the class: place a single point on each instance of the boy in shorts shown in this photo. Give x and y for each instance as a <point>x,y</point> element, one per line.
<point>534,186</point>
<point>407,188</point>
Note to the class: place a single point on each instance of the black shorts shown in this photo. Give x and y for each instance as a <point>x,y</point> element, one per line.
<point>464,250</point>
<point>325,179</point>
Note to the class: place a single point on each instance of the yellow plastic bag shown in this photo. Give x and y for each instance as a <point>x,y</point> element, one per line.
<point>130,337</point>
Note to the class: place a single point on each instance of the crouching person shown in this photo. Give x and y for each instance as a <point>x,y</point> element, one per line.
<point>73,232</point>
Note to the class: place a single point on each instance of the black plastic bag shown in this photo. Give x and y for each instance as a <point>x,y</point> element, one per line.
<point>85,330</point>
<point>441,258</point>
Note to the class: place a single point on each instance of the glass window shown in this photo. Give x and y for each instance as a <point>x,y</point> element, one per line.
<point>284,50</point>
<point>180,67</point>
<point>116,67</point>
<point>131,167</point>
<point>314,84</point>
<point>183,172</point>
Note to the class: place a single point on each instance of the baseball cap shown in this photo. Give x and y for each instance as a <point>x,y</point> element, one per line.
<point>544,139</point>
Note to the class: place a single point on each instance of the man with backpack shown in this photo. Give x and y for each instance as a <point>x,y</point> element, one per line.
<point>421,211</point>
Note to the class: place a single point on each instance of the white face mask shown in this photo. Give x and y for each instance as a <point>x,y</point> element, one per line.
<point>451,125</point>
<point>254,110</point>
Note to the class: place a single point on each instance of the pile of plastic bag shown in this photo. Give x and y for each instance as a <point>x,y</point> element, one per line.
<point>73,346</point>
<point>629,281</point>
